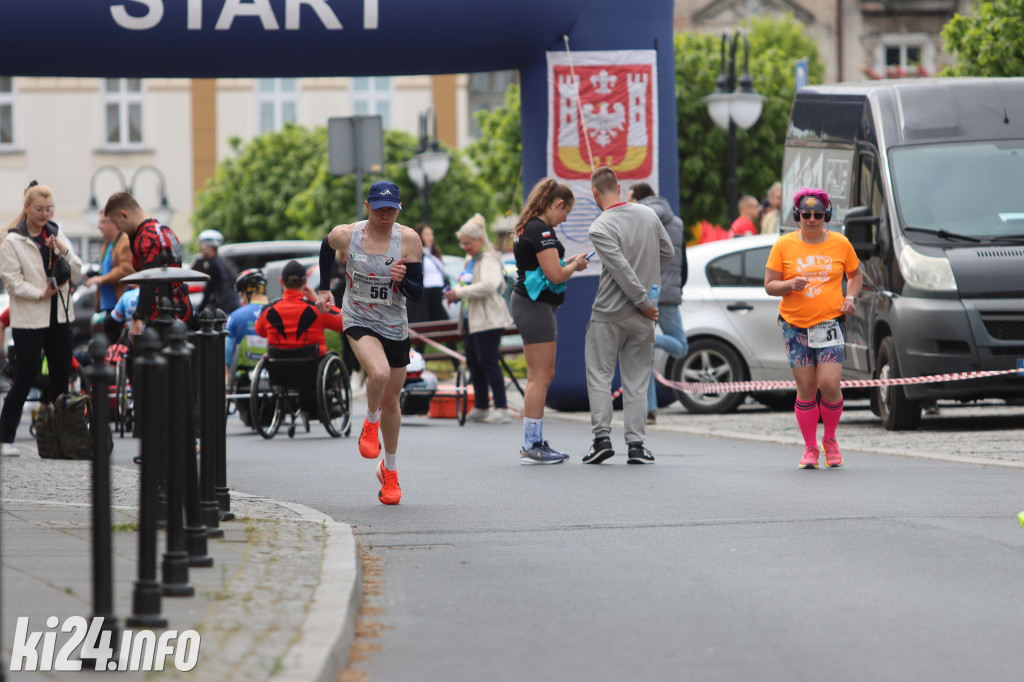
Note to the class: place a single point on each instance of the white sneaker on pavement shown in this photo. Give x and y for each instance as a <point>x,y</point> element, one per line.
<point>476,415</point>
<point>9,450</point>
<point>498,416</point>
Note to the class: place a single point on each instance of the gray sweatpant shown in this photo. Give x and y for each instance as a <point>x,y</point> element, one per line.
<point>631,341</point>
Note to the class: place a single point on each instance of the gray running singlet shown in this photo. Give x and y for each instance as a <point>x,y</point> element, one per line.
<point>371,299</point>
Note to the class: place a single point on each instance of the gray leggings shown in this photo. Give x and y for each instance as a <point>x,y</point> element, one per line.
<point>534,320</point>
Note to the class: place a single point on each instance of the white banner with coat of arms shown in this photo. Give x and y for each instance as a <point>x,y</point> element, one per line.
<point>602,111</point>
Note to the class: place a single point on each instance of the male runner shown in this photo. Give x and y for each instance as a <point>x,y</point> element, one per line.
<point>384,268</point>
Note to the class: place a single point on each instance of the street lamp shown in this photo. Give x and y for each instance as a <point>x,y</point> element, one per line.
<point>730,108</point>
<point>430,164</point>
<point>91,214</point>
<point>164,212</point>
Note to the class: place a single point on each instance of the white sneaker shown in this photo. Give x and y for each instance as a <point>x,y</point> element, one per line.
<point>498,416</point>
<point>9,450</point>
<point>476,415</point>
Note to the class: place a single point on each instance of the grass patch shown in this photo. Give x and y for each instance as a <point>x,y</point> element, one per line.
<point>125,526</point>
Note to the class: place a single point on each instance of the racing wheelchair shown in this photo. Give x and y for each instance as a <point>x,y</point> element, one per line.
<point>297,383</point>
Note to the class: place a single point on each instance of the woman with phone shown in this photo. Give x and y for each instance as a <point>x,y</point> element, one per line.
<point>37,265</point>
<point>539,291</point>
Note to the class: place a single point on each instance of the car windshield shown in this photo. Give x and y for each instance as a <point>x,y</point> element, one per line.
<point>968,189</point>
<point>964,188</point>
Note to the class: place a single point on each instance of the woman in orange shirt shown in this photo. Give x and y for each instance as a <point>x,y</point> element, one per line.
<point>806,269</point>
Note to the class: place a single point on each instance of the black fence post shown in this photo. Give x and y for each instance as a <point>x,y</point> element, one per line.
<point>220,439</point>
<point>195,529</point>
<point>100,375</point>
<point>149,379</point>
<point>176,557</point>
<point>210,374</point>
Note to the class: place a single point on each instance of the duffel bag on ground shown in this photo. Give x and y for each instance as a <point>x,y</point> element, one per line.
<point>62,429</point>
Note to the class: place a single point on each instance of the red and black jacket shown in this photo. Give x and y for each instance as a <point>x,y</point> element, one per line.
<point>294,322</point>
<point>154,245</point>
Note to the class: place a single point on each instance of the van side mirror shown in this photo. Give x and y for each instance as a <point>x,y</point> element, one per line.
<point>861,229</point>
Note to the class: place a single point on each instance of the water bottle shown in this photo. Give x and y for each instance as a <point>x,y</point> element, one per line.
<point>653,294</point>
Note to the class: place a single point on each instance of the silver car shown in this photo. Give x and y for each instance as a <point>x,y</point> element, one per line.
<point>731,324</point>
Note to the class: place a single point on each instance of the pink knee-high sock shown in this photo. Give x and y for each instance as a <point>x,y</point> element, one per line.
<point>830,413</point>
<point>807,420</point>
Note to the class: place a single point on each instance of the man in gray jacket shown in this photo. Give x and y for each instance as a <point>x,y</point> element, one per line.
<point>673,279</point>
<point>632,244</point>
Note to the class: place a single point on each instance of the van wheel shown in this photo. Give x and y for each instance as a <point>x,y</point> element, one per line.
<point>897,413</point>
<point>711,361</point>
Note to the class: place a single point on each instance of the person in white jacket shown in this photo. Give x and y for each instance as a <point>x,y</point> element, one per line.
<point>483,319</point>
<point>37,266</point>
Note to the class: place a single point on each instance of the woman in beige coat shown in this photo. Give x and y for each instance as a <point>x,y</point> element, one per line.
<point>484,316</point>
<point>36,264</point>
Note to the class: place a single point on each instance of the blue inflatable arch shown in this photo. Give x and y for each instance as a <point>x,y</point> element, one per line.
<point>294,38</point>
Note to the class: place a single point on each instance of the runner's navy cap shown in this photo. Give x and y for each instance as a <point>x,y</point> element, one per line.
<point>384,194</point>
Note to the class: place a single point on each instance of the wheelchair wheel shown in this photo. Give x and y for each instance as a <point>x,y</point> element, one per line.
<point>122,399</point>
<point>461,396</point>
<point>334,396</point>
<point>264,403</point>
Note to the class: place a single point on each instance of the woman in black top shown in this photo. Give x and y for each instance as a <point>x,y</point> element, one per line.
<point>539,290</point>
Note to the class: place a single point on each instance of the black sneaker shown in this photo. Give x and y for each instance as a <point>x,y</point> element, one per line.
<point>638,454</point>
<point>600,451</point>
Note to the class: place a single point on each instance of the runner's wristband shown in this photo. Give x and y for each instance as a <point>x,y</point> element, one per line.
<point>326,264</point>
<point>412,285</point>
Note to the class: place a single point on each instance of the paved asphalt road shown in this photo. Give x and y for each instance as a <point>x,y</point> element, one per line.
<point>720,562</point>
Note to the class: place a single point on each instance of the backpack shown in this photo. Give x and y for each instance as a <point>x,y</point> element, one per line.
<point>62,429</point>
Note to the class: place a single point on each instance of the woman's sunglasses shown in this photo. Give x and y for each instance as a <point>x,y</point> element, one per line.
<point>806,215</point>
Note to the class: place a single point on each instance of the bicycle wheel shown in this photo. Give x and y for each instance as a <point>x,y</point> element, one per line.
<point>461,395</point>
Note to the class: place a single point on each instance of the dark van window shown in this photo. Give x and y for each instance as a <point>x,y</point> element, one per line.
<point>743,269</point>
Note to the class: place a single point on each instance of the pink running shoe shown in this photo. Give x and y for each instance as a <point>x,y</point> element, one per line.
<point>810,460</point>
<point>833,458</point>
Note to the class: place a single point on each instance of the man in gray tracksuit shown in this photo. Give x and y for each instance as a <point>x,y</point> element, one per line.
<point>633,245</point>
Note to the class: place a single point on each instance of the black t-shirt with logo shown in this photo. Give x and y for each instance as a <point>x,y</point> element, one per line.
<point>536,236</point>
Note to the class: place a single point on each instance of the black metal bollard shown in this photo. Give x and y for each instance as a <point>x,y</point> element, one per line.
<point>220,439</point>
<point>176,557</point>
<point>195,529</point>
<point>150,378</point>
<point>210,411</point>
<point>162,326</point>
<point>100,375</point>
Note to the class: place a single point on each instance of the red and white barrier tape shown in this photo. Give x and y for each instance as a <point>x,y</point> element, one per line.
<point>444,349</point>
<point>512,409</point>
<point>745,386</point>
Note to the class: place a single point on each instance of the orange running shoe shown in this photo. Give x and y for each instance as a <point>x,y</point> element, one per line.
<point>369,440</point>
<point>389,493</point>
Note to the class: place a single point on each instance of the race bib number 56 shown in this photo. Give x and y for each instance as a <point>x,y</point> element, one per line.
<point>371,289</point>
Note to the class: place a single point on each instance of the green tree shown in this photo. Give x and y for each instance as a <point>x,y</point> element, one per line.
<point>989,43</point>
<point>498,153</point>
<point>775,47</point>
<point>278,187</point>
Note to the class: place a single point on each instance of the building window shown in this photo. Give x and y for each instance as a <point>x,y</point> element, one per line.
<point>277,103</point>
<point>487,92</point>
<point>6,112</point>
<point>905,54</point>
<point>373,95</point>
<point>122,113</point>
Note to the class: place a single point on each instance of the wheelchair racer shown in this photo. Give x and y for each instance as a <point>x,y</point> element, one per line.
<point>294,321</point>
<point>243,347</point>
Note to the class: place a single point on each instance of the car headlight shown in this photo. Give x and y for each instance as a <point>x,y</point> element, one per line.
<point>926,272</point>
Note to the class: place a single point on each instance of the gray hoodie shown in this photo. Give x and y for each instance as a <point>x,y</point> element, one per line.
<point>673,273</point>
<point>632,244</point>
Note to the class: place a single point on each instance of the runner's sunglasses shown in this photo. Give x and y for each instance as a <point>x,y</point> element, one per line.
<point>806,215</point>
